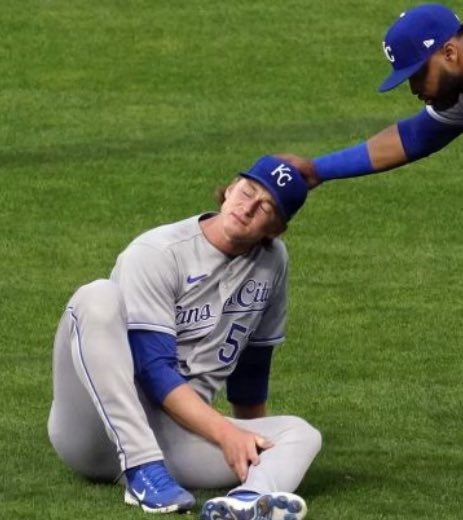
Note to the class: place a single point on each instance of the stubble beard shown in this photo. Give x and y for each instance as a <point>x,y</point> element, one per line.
<point>450,88</point>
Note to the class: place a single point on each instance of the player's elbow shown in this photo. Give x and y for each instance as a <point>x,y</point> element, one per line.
<point>254,411</point>
<point>421,135</point>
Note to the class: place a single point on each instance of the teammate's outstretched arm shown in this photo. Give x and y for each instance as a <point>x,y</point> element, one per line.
<point>381,152</point>
<point>403,142</point>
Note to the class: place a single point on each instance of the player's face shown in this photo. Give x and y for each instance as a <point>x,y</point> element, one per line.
<point>437,83</point>
<point>249,213</point>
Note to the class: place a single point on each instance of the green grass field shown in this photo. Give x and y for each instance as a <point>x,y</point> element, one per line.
<point>119,116</point>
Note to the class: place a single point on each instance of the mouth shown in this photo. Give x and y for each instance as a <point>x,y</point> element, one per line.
<point>239,219</point>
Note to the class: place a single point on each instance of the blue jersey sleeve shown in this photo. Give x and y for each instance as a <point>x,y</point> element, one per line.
<point>248,384</point>
<point>155,360</point>
<point>423,135</point>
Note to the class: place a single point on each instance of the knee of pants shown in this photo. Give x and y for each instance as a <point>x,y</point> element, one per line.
<point>87,451</point>
<point>100,301</point>
<point>306,434</point>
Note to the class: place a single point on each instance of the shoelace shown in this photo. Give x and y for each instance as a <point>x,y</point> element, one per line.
<point>157,479</point>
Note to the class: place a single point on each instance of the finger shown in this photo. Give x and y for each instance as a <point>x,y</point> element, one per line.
<point>242,471</point>
<point>263,443</point>
<point>254,458</point>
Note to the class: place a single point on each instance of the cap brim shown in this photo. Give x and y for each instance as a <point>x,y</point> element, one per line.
<point>396,77</point>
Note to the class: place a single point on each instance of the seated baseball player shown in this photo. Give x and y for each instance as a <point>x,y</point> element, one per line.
<point>189,308</point>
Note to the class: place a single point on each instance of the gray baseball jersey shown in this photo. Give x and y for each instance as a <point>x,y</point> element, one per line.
<point>451,116</point>
<point>174,281</point>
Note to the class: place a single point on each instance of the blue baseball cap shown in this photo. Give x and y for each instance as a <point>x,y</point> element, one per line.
<point>414,37</point>
<point>284,182</point>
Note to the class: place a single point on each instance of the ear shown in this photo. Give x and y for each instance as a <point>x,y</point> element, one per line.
<point>452,52</point>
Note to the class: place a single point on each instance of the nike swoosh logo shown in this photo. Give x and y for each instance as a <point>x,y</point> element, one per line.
<point>140,496</point>
<point>194,279</point>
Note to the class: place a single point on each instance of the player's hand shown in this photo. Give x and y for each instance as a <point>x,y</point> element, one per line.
<point>310,175</point>
<point>241,448</point>
<point>305,166</point>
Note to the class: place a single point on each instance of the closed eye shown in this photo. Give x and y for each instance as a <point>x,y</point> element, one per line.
<point>266,207</point>
<point>247,192</point>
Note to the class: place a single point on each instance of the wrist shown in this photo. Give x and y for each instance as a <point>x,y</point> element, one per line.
<point>350,162</point>
<point>221,430</point>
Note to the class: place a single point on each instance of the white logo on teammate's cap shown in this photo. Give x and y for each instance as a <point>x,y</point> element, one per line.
<point>388,52</point>
<point>429,43</point>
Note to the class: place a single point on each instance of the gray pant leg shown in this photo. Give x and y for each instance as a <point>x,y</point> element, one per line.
<point>191,459</point>
<point>282,468</point>
<point>96,416</point>
<point>196,463</point>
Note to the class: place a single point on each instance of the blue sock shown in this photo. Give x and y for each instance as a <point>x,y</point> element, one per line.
<point>248,496</point>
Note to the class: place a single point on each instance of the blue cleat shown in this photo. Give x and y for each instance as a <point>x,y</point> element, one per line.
<point>151,487</point>
<point>272,506</point>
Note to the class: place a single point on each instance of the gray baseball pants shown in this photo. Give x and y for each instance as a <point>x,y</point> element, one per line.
<point>101,423</point>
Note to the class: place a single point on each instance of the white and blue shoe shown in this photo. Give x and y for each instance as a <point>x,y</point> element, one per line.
<point>151,487</point>
<point>251,506</point>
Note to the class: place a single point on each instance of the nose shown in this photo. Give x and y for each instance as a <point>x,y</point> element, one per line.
<point>250,206</point>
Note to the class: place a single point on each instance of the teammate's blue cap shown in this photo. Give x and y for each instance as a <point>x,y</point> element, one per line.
<point>284,182</point>
<point>414,37</point>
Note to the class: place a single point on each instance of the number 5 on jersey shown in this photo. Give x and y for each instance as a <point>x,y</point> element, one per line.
<point>228,352</point>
